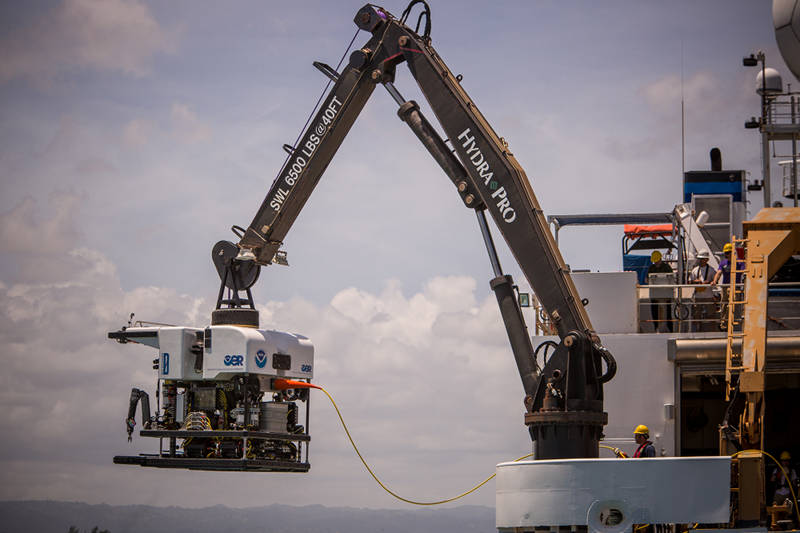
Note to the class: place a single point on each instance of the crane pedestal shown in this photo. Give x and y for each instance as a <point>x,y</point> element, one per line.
<point>566,434</point>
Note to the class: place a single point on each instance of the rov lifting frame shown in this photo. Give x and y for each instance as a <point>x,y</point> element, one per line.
<point>564,398</point>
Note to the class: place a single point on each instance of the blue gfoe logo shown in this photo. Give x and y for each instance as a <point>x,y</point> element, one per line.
<point>305,368</point>
<point>233,360</point>
<point>261,359</point>
<point>165,363</point>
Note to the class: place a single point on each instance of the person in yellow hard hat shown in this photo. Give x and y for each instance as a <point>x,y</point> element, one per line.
<point>659,306</point>
<point>724,272</point>
<point>780,482</point>
<point>642,435</point>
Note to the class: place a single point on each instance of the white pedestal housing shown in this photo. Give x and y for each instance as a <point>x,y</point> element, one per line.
<point>609,495</point>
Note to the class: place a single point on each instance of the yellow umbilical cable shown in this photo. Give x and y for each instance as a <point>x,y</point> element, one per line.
<point>785,475</point>
<point>291,384</point>
<point>387,489</point>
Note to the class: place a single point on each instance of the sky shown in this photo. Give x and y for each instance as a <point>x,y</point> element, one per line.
<point>134,134</point>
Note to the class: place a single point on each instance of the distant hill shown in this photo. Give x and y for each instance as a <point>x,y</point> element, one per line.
<point>43,516</point>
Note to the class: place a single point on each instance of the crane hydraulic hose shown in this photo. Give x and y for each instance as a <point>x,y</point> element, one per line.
<point>619,453</point>
<point>284,384</point>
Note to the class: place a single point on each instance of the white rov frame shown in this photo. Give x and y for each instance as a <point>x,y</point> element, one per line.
<point>228,351</point>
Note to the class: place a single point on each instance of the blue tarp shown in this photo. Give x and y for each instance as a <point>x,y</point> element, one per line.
<point>638,264</point>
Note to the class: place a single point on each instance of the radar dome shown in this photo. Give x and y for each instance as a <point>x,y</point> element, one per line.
<point>786,19</point>
<point>773,85</point>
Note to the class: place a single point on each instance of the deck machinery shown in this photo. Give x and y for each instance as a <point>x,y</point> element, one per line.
<point>563,396</point>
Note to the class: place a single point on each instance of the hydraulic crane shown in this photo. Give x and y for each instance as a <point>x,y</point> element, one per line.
<point>563,395</point>
<point>567,394</point>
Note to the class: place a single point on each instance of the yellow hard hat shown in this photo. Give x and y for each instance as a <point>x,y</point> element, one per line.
<point>786,456</point>
<point>727,248</point>
<point>641,429</point>
<point>655,257</point>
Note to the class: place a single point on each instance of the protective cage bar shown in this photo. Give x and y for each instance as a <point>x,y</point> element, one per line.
<point>175,459</point>
<point>218,464</point>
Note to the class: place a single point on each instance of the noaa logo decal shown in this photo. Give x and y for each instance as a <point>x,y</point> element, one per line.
<point>261,359</point>
<point>233,360</point>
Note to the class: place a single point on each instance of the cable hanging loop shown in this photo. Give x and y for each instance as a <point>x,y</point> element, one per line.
<point>288,384</point>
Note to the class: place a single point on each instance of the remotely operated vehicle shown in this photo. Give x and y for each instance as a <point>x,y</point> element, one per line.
<point>222,405</point>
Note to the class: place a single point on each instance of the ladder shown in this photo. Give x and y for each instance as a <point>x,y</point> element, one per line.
<point>735,317</point>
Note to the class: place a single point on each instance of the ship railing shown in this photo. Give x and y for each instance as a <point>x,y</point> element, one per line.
<point>684,308</point>
<point>783,110</point>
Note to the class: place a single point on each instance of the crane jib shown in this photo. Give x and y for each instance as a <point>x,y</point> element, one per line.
<point>302,154</point>
<point>498,192</point>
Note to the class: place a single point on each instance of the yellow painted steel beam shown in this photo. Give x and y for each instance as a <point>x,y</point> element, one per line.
<point>773,236</point>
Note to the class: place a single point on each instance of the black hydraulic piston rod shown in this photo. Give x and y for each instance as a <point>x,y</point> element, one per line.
<point>410,113</point>
<point>489,241</point>
<point>516,329</point>
<point>502,285</point>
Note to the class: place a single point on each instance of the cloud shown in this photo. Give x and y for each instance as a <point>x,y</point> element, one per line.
<point>94,166</point>
<point>664,94</point>
<point>707,100</point>
<point>137,132</point>
<point>115,35</point>
<point>22,231</point>
<point>187,125</point>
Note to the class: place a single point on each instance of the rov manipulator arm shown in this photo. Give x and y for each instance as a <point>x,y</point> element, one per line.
<point>564,399</point>
<point>137,395</point>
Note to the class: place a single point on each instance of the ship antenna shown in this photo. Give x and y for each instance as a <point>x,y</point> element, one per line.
<point>683,121</point>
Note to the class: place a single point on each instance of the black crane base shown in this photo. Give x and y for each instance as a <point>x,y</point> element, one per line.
<point>566,434</point>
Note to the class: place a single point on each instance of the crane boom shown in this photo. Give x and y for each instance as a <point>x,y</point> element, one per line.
<point>567,392</point>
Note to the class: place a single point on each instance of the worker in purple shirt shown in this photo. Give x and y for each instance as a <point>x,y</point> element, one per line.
<point>724,275</point>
